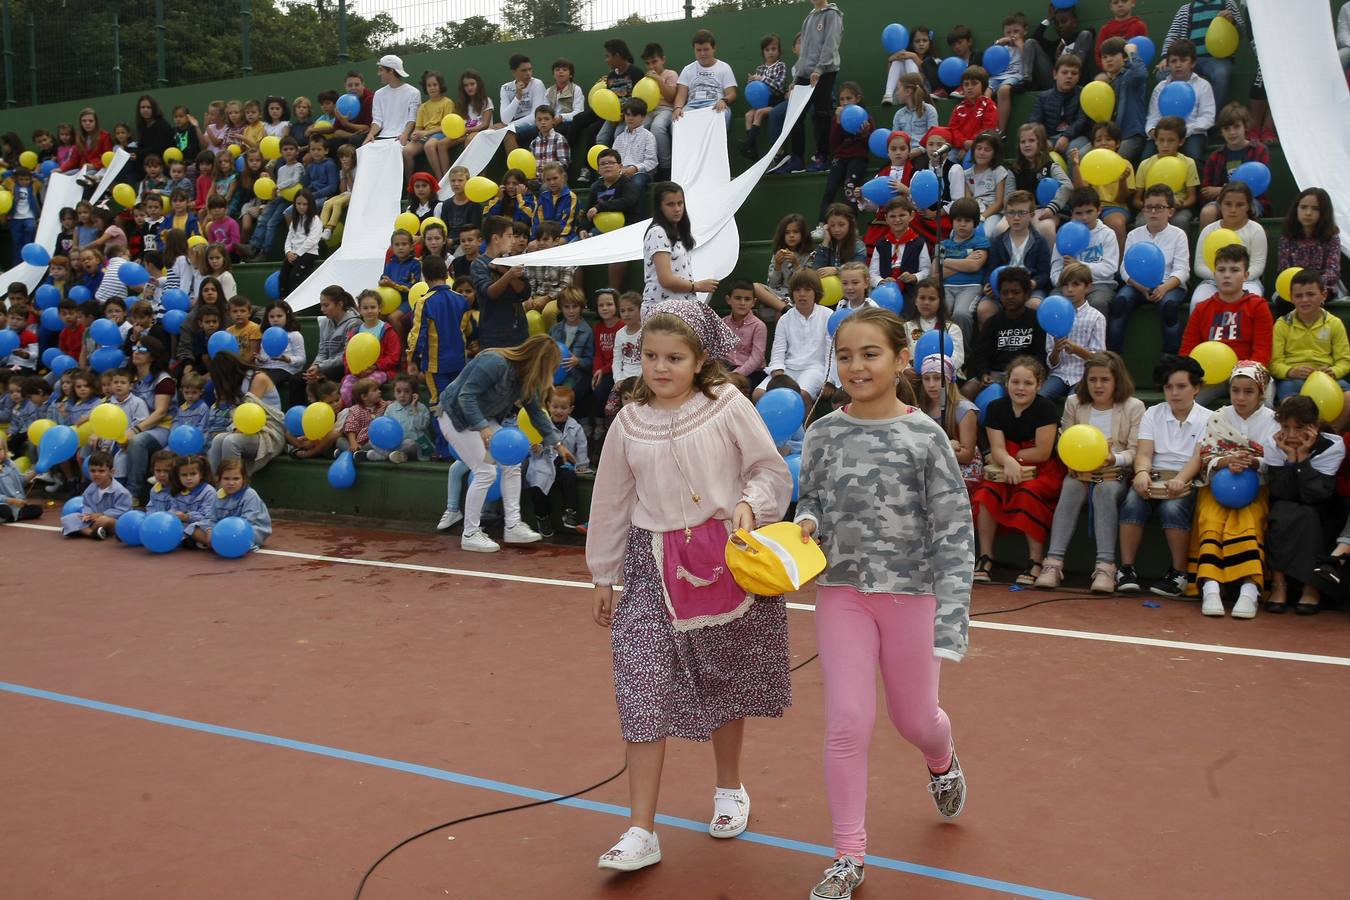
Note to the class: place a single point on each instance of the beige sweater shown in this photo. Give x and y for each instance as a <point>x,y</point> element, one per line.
<point>1124,436</point>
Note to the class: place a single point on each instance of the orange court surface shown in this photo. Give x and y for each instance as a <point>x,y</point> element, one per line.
<point>186,726</point>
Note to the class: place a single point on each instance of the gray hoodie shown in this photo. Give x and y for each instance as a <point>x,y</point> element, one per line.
<point>821,33</point>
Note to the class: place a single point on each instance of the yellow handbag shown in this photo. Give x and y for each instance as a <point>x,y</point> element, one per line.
<point>773,560</point>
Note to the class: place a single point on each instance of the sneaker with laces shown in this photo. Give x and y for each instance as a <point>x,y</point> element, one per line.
<point>397,457</point>
<point>520,533</point>
<point>1104,579</point>
<point>572,521</point>
<point>478,542</point>
<point>949,790</point>
<point>450,519</point>
<point>1127,580</point>
<point>545,526</point>
<point>787,166</point>
<point>818,164</point>
<point>637,849</point>
<point>1173,584</point>
<point>326,234</point>
<point>840,881</point>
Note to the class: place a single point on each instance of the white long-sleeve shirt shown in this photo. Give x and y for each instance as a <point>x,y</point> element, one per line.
<point>874,275</point>
<point>394,107</point>
<point>1253,238</point>
<point>1102,256</point>
<point>301,241</point>
<point>799,342</point>
<point>1174,246</point>
<point>636,147</point>
<point>512,107</point>
<point>1201,118</point>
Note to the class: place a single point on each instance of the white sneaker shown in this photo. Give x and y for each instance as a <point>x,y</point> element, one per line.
<point>637,849</point>
<point>731,812</point>
<point>397,457</point>
<point>326,234</point>
<point>451,518</point>
<point>478,542</point>
<point>1245,607</point>
<point>520,533</point>
<point>1212,602</point>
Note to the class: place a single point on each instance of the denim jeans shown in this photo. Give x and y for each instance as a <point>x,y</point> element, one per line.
<point>21,232</point>
<point>139,450</point>
<point>1056,389</point>
<point>1169,313</point>
<point>658,123</point>
<point>1175,513</point>
<point>1291,387</point>
<point>1106,499</point>
<point>1218,72</point>
<point>265,231</point>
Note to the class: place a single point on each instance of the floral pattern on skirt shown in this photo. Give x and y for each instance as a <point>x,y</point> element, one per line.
<point>689,684</point>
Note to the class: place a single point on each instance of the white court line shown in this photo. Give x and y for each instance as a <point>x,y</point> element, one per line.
<point>1217,649</point>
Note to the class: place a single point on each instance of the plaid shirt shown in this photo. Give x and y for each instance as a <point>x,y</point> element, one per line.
<point>552,148</point>
<point>1088,332</point>
<point>549,280</point>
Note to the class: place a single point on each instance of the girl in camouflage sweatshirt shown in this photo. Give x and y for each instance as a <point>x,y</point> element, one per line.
<point>883,493</point>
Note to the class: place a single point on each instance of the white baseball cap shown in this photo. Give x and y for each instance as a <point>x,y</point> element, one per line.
<point>392,62</point>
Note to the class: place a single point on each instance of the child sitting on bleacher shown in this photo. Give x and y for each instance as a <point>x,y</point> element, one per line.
<point>1167,137</point>
<point>548,471</point>
<point>302,447</point>
<point>389,362</point>
<point>839,244</point>
<point>1102,255</point>
<point>401,271</point>
<point>415,418</point>
<point>192,409</point>
<point>514,200</point>
<point>235,499</point>
<point>1310,238</point>
<point>900,253</point>
<point>792,251</point>
<point>105,501</point>
<point>1087,337</point>
<point>1016,78</point>
<point>1235,205</point>
<point>915,116</point>
<point>1032,166</point>
<point>1115,196</point>
<point>1057,110</point>
<point>918,60</point>
<point>422,201</point>
<point>1181,68</point>
<point>14,503</point>
<point>773,72</point>
<point>923,319</point>
<point>976,113</point>
<point>1309,339</point>
<point>1234,122</point>
<point>1127,75</point>
<point>1233,316</point>
<point>1170,296</point>
<point>367,405</point>
<point>801,341</point>
<point>1011,332</point>
<point>848,151</point>
<point>576,336</point>
<point>557,203</point>
<point>964,255</point>
<point>986,182</point>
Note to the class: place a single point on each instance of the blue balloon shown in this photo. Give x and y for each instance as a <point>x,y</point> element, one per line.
<point>878,191</point>
<point>161,532</point>
<point>923,189</point>
<point>852,118</point>
<point>1046,190</point>
<point>837,318</point>
<point>105,332</point>
<point>36,255</point>
<point>48,355</point>
<point>987,396</point>
<point>993,282</point>
<point>561,375</point>
<point>47,168</point>
<point>51,319</point>
<point>877,141</point>
<point>1056,315</point>
<point>888,295</point>
<point>47,296</point>
<point>58,444</point>
<point>221,340</point>
<point>275,340</point>
<point>757,94</point>
<point>295,420</point>
<point>950,71</point>
<point>272,286</point>
<point>9,342</point>
<point>894,38</point>
<point>342,473</point>
<point>1073,239</point>
<point>1177,99</point>
<point>783,411</point>
<point>1235,490</point>
<point>387,434</point>
<point>1064,4</point>
<point>1145,48</point>
<point>73,506</point>
<point>132,274</point>
<point>62,364</point>
<point>1256,175</point>
<point>509,446</point>
<point>129,527</point>
<point>927,345</point>
<point>348,105</point>
<point>79,293</point>
<point>232,537</point>
<point>794,464</point>
<point>495,489</point>
<point>996,59</point>
<point>185,440</point>
<point>105,358</point>
<point>239,163</point>
<point>1145,263</point>
<point>173,321</point>
<point>174,298</point>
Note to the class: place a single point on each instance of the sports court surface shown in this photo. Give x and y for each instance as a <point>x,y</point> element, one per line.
<point>187,726</point>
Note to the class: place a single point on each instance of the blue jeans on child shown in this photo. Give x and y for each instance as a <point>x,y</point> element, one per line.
<point>1055,388</point>
<point>1218,72</point>
<point>1292,386</point>
<point>1170,308</point>
<point>21,232</point>
<point>265,230</point>
<point>1175,514</point>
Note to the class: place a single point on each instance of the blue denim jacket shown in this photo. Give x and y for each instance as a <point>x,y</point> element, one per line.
<point>488,389</point>
<point>1131,87</point>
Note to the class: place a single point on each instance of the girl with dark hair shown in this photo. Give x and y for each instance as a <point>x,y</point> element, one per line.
<point>154,134</point>
<point>338,319</point>
<point>151,381</point>
<point>276,117</point>
<point>792,250</point>
<point>668,267</point>
<point>236,382</point>
<point>475,105</point>
<point>302,242</point>
<point>1310,239</point>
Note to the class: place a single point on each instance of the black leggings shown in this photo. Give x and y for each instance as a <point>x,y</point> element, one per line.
<point>293,273</point>
<point>565,480</point>
<point>842,171</point>
<point>821,108</point>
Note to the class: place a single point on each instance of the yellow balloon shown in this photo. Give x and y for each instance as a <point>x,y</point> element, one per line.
<point>37,429</point>
<point>433,220</point>
<point>417,292</point>
<point>608,221</point>
<point>535,321</point>
<point>249,418</point>
<point>107,158</point>
<point>23,464</point>
<point>605,104</point>
<point>480,189</point>
<point>1101,166</point>
<point>172,154</point>
<point>549,315</point>
<point>270,147</point>
<point>524,160</point>
<point>1168,170</point>
<point>648,91</point>
<point>526,426</point>
<point>1217,359</point>
<point>124,195</point>
<point>1222,38</point>
<point>593,155</point>
<point>264,188</point>
<point>1083,448</point>
<point>236,150</point>
<point>389,299</point>
<point>1327,394</point>
<point>1098,100</point>
<point>321,126</point>
<point>453,126</point>
<point>196,241</point>
<point>833,290</point>
<point>28,159</point>
<point>288,194</point>
<point>1284,282</point>
<point>85,432</point>
<point>110,422</point>
<point>1215,241</point>
<point>408,222</point>
<point>165,204</point>
<point>362,351</point>
<point>6,202</point>
<point>318,420</point>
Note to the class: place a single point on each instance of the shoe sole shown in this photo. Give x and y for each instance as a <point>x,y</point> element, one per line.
<point>861,878</point>
<point>631,865</point>
<point>1161,593</point>
<point>533,540</point>
<point>1128,589</point>
<point>727,835</point>
<point>1215,613</point>
<point>1243,614</point>
<point>479,549</point>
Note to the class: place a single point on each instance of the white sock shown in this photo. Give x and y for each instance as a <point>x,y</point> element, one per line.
<point>728,807</point>
<point>1249,591</point>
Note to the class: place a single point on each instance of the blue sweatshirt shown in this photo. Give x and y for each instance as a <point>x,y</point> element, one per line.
<point>436,341</point>
<point>112,502</point>
<point>322,178</point>
<point>199,504</point>
<point>247,505</point>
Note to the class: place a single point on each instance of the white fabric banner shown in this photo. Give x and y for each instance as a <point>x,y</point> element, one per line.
<point>120,158</point>
<point>476,155</point>
<point>1296,44</point>
<point>359,261</point>
<point>62,191</point>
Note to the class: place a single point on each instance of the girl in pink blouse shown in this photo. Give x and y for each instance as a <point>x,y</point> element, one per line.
<point>685,464</point>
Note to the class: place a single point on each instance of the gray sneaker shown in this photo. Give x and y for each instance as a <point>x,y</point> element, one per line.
<point>949,790</point>
<point>840,881</point>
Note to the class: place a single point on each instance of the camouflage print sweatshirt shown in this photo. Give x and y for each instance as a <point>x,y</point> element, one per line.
<point>892,514</point>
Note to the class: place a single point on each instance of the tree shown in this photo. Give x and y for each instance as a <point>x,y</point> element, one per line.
<point>538,18</point>
<point>472,32</point>
<point>630,19</point>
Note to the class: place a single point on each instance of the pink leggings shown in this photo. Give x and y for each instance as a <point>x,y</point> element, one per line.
<point>853,632</point>
<point>349,381</point>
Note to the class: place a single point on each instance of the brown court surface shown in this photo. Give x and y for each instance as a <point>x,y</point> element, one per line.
<point>1096,769</point>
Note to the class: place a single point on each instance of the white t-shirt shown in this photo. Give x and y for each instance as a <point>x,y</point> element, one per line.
<point>706,85</point>
<point>681,266</point>
<point>627,355</point>
<point>394,107</point>
<point>1173,442</point>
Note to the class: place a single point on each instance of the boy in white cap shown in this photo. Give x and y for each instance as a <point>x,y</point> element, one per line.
<point>393,112</point>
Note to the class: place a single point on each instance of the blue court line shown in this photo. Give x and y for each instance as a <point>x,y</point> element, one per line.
<point>502,787</point>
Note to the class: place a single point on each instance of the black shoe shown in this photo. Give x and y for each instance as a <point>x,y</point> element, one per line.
<point>360,455</point>
<point>1307,609</point>
<point>545,526</point>
<point>1173,584</point>
<point>1127,580</point>
<point>99,534</point>
<point>571,521</point>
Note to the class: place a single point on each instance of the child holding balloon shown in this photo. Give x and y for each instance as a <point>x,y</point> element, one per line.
<point>235,498</point>
<point>283,367</point>
<point>849,132</point>
<point>192,497</point>
<point>358,360</point>
<point>105,501</point>
<point>14,505</point>
<point>1154,268</point>
<point>1234,316</point>
<point>356,428</point>
<point>1235,218</point>
<point>1196,106</point>
<point>1237,157</point>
